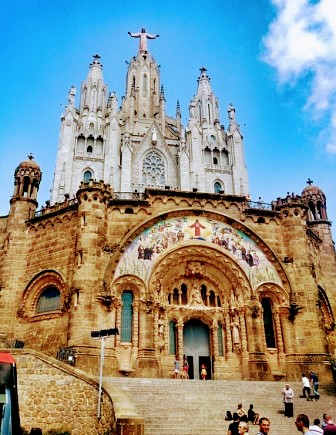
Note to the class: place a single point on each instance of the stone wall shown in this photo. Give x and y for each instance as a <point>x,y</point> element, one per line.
<point>53,395</point>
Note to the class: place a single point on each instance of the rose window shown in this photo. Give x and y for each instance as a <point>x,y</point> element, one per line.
<point>153,170</point>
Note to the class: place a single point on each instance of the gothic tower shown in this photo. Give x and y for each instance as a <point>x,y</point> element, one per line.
<point>138,146</point>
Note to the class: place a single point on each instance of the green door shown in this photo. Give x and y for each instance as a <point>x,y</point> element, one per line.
<point>196,342</point>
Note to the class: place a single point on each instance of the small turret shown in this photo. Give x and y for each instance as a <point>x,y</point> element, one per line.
<point>27,179</point>
<point>315,199</point>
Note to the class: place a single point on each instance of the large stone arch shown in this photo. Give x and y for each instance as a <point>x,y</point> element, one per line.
<point>176,228</point>
<point>204,264</point>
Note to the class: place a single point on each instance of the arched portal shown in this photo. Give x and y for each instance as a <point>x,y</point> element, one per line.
<point>196,340</point>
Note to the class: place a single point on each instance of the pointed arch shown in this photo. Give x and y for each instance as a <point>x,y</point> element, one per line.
<point>328,320</point>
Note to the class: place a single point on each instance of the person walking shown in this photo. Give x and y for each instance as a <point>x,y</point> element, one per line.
<point>306,386</point>
<point>302,424</point>
<point>264,426</point>
<point>315,382</point>
<point>288,399</point>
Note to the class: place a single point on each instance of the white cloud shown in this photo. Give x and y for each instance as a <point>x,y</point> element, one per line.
<point>301,41</point>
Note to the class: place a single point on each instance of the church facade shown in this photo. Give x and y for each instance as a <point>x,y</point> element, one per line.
<point>150,229</point>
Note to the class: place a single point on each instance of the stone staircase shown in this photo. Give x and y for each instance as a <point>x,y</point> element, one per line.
<point>195,407</point>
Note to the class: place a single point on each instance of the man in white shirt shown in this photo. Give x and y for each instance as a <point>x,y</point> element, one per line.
<point>306,386</point>
<point>316,428</point>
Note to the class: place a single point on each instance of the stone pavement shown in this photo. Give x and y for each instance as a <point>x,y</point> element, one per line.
<point>195,407</point>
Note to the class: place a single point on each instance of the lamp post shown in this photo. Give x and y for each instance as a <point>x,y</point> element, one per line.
<point>103,333</point>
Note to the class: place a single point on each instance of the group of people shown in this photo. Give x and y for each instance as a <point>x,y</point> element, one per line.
<point>314,381</point>
<point>326,427</point>
<point>185,368</point>
<point>241,420</point>
<point>288,393</point>
<point>240,424</point>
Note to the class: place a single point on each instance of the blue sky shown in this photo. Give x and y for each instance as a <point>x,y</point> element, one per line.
<point>274,60</point>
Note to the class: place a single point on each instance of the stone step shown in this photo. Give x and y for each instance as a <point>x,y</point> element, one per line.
<point>195,407</point>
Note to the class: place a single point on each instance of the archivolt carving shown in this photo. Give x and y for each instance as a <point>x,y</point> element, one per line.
<point>36,286</point>
<point>275,293</point>
<point>129,282</point>
<point>326,312</point>
<point>201,266</point>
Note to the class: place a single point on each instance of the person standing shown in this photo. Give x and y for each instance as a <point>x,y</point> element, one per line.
<point>203,372</point>
<point>306,386</point>
<point>264,426</point>
<point>288,399</point>
<point>176,367</point>
<point>185,368</point>
<point>302,424</point>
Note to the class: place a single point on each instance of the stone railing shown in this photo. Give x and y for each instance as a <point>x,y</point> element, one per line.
<point>55,396</point>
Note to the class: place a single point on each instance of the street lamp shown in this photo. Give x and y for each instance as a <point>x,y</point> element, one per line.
<point>103,333</point>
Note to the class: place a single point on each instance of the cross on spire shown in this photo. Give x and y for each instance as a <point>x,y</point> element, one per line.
<point>309,181</point>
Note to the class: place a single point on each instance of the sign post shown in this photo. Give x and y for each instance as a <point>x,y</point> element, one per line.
<point>102,334</point>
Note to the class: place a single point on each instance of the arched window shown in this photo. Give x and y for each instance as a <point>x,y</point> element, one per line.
<point>184,294</point>
<point>204,294</point>
<point>127,317</point>
<point>89,149</point>
<point>175,296</point>
<point>215,161</point>
<point>144,84</point>
<point>268,322</point>
<point>49,300</point>
<point>172,338</point>
<point>217,187</point>
<point>209,114</point>
<point>87,176</point>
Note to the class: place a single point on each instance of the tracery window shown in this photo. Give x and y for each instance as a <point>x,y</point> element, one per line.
<point>268,322</point>
<point>49,300</point>
<point>127,317</point>
<point>153,169</point>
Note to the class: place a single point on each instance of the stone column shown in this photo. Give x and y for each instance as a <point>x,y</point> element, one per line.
<point>118,307</point>
<point>136,328</point>
<point>286,338</point>
<point>243,332</point>
<point>215,337</point>
<point>228,334</point>
<point>251,331</point>
<point>280,345</point>
<point>180,340</point>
